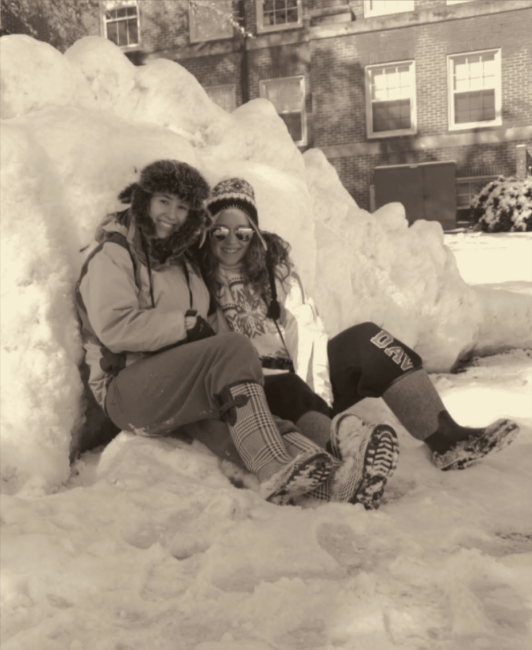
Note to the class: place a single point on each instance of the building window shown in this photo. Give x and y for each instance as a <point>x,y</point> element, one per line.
<point>273,15</point>
<point>383,7</point>
<point>121,20</point>
<point>288,97</point>
<point>224,96</point>
<point>475,90</point>
<point>391,99</point>
<point>466,190</point>
<point>210,21</point>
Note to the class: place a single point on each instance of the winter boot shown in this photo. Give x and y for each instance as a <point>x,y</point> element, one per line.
<point>258,441</point>
<point>370,454</point>
<point>418,407</point>
<point>367,457</point>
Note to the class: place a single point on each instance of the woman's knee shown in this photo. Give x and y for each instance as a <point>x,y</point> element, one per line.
<point>236,343</point>
<point>351,338</point>
<point>366,330</point>
<point>237,348</point>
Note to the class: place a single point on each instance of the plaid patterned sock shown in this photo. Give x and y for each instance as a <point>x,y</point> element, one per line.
<point>255,434</point>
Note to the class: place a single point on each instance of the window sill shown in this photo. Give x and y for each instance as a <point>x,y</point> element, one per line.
<point>129,48</point>
<point>210,40</point>
<point>390,134</point>
<point>474,125</point>
<point>278,28</point>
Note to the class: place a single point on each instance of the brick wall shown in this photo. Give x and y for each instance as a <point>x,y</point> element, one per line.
<point>338,71</point>
<point>337,79</point>
<point>163,24</point>
<point>333,59</point>
<point>217,70</point>
<point>276,62</point>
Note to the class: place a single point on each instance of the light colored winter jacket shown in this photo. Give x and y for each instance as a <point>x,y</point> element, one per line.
<point>120,323</point>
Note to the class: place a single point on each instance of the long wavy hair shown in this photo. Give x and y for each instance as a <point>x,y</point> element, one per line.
<point>254,265</point>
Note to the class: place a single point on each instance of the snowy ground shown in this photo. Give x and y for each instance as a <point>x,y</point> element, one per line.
<point>150,546</point>
<point>146,544</point>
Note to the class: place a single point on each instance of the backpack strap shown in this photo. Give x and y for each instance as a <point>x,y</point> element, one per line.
<point>110,362</point>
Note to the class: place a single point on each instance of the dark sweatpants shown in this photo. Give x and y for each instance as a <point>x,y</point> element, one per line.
<point>364,361</point>
<point>160,393</point>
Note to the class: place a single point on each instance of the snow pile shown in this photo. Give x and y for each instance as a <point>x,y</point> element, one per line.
<point>78,127</point>
<point>41,387</point>
<point>149,546</point>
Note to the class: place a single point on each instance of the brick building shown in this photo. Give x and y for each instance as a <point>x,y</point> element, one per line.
<point>371,83</point>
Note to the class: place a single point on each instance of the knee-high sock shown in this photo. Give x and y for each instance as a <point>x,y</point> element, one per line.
<point>417,405</point>
<point>253,430</point>
<point>316,427</point>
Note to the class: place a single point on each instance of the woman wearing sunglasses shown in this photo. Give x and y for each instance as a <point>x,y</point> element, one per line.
<point>154,363</point>
<point>309,379</point>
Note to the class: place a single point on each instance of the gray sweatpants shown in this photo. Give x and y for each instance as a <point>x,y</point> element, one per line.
<point>160,393</point>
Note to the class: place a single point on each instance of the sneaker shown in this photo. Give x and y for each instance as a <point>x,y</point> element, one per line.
<point>370,454</point>
<point>308,470</point>
<point>470,451</point>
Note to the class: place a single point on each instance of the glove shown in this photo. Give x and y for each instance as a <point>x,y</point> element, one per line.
<point>201,329</point>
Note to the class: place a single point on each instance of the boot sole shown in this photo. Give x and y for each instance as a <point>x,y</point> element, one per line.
<point>374,454</point>
<point>380,462</point>
<point>301,477</point>
<point>467,453</point>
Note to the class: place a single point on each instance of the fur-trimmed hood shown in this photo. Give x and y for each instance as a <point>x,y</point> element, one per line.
<point>173,177</point>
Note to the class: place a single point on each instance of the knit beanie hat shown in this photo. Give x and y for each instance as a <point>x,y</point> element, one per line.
<point>238,193</point>
<point>172,177</point>
<point>235,193</point>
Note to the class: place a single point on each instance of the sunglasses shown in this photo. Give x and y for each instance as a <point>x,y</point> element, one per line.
<point>242,233</point>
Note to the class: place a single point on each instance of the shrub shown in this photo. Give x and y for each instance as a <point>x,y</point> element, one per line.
<point>504,205</point>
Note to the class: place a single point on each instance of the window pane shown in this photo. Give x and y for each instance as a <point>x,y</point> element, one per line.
<point>133,32</point>
<point>391,116</point>
<point>382,7</point>
<point>474,72</point>
<point>122,32</point>
<point>391,83</point>
<point>295,125</point>
<point>474,106</point>
<point>112,32</point>
<point>224,96</point>
<point>285,94</point>
<point>122,24</point>
<point>279,12</point>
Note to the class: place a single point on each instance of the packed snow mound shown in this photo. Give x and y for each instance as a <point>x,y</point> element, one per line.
<point>34,75</point>
<point>78,127</point>
<point>41,386</point>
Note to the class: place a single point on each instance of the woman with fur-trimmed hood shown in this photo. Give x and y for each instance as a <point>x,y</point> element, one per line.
<point>154,363</point>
